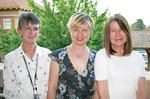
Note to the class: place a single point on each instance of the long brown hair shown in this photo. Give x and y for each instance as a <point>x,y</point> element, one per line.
<point>125,27</point>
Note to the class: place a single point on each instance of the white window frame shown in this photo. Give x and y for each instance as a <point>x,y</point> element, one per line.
<point>7,23</point>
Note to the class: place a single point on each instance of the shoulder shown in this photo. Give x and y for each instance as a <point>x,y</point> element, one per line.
<point>92,54</point>
<point>92,51</point>
<point>43,50</point>
<point>101,52</point>
<point>58,53</point>
<point>61,49</point>
<point>13,53</point>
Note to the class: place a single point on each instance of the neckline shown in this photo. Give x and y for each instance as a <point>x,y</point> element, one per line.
<point>74,67</point>
<point>34,56</point>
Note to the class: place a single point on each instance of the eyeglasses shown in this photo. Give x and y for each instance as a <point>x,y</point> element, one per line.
<point>29,29</point>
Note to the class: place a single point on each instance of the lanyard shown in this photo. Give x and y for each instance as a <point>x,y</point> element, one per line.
<point>35,75</point>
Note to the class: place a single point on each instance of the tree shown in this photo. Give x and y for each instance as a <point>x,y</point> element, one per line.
<point>8,41</point>
<point>138,25</point>
<point>55,15</point>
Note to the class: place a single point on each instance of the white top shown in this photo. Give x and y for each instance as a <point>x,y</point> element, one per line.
<point>17,83</point>
<point>122,73</point>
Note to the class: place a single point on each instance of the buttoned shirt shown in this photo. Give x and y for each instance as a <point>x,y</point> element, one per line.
<point>17,84</point>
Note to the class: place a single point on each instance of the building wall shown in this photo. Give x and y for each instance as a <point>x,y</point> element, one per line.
<point>13,15</point>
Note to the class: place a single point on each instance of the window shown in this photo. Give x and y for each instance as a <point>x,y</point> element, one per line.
<point>7,23</point>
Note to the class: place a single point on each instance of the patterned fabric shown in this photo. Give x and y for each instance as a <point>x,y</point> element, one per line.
<point>17,83</point>
<point>71,84</point>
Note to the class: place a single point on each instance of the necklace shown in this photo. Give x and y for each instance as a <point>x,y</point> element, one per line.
<point>29,50</point>
<point>78,58</point>
<point>78,52</point>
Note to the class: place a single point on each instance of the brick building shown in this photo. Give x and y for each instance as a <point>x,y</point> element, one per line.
<point>10,11</point>
<point>141,39</point>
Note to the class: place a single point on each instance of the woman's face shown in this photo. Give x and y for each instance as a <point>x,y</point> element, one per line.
<point>29,33</point>
<point>80,34</point>
<point>118,37</point>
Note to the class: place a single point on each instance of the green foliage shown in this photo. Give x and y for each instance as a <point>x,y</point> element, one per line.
<point>55,15</point>
<point>96,39</point>
<point>138,25</point>
<point>8,41</point>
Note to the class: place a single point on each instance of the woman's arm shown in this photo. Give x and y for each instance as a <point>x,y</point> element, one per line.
<point>103,90</point>
<point>96,95</point>
<point>141,92</point>
<point>53,80</point>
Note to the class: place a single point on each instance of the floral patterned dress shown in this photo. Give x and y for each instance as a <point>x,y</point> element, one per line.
<point>71,84</point>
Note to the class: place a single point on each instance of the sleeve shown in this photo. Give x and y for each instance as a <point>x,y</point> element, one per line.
<point>53,56</point>
<point>10,87</point>
<point>101,71</point>
<point>58,55</point>
<point>47,54</point>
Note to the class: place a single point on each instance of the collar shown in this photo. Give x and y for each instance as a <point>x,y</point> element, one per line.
<point>21,52</point>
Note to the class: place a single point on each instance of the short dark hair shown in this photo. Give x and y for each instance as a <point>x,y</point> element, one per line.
<point>122,22</point>
<point>26,18</point>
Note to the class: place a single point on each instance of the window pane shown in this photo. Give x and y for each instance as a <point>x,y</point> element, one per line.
<point>6,23</point>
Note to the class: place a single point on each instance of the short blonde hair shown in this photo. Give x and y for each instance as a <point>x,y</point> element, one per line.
<point>80,18</point>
